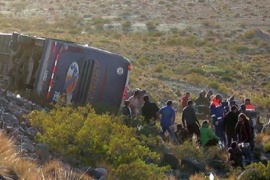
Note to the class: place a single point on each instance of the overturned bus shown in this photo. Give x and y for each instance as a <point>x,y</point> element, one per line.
<point>56,68</point>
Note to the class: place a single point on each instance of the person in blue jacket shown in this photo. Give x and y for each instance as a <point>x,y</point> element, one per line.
<point>217,115</point>
<point>167,119</point>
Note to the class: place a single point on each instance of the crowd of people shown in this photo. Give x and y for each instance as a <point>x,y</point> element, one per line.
<point>223,122</point>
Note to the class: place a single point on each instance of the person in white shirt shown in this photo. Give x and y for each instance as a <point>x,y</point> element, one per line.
<point>134,103</point>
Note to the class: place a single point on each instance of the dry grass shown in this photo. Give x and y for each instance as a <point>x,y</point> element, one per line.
<point>262,138</point>
<point>12,165</point>
<point>198,177</point>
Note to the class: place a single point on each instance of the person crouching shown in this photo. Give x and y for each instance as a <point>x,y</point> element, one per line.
<point>208,137</point>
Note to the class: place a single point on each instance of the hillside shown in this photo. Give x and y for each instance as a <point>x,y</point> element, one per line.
<point>223,45</point>
<point>174,46</point>
<point>167,14</point>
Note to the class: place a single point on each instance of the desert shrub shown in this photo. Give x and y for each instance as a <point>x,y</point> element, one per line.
<point>240,49</point>
<point>82,134</point>
<point>126,25</point>
<point>214,85</point>
<point>159,68</point>
<point>256,171</point>
<point>249,34</point>
<point>224,88</point>
<point>197,71</point>
<point>266,147</point>
<point>173,41</point>
<point>137,170</point>
<point>196,78</point>
<point>261,102</point>
<point>189,150</point>
<point>152,25</point>
<point>226,78</point>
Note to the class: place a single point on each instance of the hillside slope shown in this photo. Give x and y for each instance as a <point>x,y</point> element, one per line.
<point>221,45</point>
<point>169,14</point>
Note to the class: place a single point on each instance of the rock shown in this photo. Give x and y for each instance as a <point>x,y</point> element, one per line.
<point>171,160</point>
<point>9,129</point>
<point>257,152</point>
<point>263,159</point>
<point>192,165</point>
<point>4,102</point>
<point>17,101</point>
<point>96,173</point>
<point>31,133</point>
<point>32,155</point>
<point>42,150</point>
<point>28,106</point>
<point>18,115</point>
<point>216,163</point>
<point>37,107</point>
<point>7,117</point>
<point>28,146</point>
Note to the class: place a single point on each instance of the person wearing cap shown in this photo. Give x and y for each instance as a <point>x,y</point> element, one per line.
<point>167,119</point>
<point>190,120</point>
<point>217,115</point>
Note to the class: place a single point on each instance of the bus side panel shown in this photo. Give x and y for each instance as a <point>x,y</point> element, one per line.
<point>45,67</point>
<point>108,81</point>
<point>66,77</point>
<point>4,53</point>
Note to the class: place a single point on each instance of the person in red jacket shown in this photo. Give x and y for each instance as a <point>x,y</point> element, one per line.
<point>249,106</point>
<point>184,100</point>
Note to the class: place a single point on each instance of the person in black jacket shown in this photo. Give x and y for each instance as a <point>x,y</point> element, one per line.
<point>230,121</point>
<point>126,111</point>
<point>244,137</point>
<point>190,120</point>
<point>202,105</point>
<point>149,110</point>
<point>235,155</point>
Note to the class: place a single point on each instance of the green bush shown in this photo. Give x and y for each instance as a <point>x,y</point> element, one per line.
<point>256,171</point>
<point>92,139</point>
<point>126,25</point>
<point>226,78</point>
<point>266,147</point>
<point>189,150</point>
<point>197,71</point>
<point>214,85</point>
<point>152,25</point>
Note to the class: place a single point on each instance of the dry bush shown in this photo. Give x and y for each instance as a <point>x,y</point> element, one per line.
<point>198,177</point>
<point>261,138</point>
<point>13,166</point>
<point>56,170</point>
